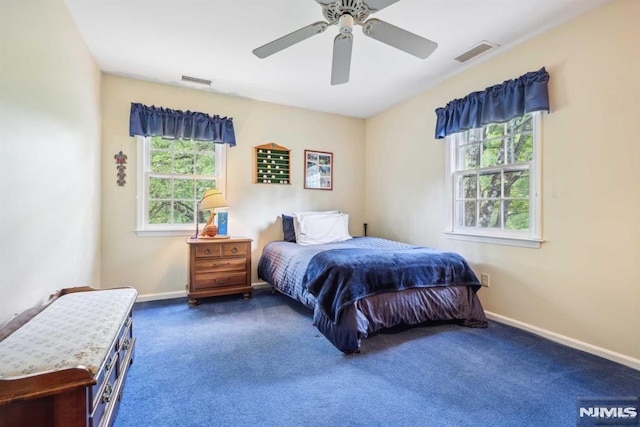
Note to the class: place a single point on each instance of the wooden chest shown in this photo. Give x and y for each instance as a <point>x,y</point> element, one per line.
<point>65,363</point>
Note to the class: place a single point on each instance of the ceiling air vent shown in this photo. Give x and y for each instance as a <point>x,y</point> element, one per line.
<point>196,80</point>
<point>476,50</point>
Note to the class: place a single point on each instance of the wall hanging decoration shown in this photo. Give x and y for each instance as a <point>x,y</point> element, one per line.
<point>318,170</point>
<point>121,160</point>
<point>272,164</point>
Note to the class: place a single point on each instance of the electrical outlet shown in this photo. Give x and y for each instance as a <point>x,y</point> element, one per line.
<point>484,279</point>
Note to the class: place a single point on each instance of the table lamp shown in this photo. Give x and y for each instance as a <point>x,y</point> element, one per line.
<point>211,200</point>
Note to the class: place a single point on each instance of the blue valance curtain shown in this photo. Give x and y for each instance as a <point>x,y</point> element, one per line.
<point>496,104</point>
<point>176,124</point>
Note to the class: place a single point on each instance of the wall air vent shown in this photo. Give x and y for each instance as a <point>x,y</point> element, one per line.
<point>196,80</point>
<point>476,50</point>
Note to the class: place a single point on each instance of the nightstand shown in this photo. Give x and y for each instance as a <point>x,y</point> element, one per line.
<point>219,267</point>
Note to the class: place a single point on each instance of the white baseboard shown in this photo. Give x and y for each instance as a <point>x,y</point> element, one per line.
<point>183,294</point>
<point>260,285</point>
<point>157,297</point>
<point>570,342</point>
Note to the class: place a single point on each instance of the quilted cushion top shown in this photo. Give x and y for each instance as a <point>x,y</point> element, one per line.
<point>76,329</point>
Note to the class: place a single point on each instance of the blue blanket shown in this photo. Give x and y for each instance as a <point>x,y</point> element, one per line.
<point>340,277</point>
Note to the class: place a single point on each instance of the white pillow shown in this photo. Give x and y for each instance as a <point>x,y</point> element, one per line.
<point>297,217</point>
<point>322,228</point>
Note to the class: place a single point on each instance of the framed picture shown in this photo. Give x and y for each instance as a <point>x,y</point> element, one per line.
<point>318,170</point>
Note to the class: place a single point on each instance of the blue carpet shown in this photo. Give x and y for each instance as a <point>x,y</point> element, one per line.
<point>231,362</point>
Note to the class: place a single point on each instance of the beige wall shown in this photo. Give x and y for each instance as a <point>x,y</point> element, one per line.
<point>49,155</point>
<point>54,174</point>
<point>584,282</point>
<point>157,266</point>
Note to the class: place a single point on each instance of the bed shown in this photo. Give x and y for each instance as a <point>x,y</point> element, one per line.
<point>364,284</point>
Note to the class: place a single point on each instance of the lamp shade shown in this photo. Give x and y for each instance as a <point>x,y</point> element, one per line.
<point>212,199</point>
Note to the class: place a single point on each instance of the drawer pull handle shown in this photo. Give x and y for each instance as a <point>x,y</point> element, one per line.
<point>107,394</point>
<point>222,281</point>
<point>207,251</point>
<point>222,264</point>
<point>234,250</point>
<point>109,364</point>
<point>126,344</point>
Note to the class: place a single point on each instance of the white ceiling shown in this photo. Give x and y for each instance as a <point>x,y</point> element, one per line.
<point>161,40</point>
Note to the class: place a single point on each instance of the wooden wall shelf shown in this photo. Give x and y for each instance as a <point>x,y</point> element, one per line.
<point>272,164</point>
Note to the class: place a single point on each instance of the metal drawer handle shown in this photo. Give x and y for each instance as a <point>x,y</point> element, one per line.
<point>126,344</point>
<point>107,368</point>
<point>222,281</point>
<point>207,251</point>
<point>107,395</point>
<point>234,250</point>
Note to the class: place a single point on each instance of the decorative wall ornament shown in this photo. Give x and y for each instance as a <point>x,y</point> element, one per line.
<point>121,161</point>
<point>272,164</point>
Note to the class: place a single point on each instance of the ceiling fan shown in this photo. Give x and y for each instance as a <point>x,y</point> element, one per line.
<point>346,13</point>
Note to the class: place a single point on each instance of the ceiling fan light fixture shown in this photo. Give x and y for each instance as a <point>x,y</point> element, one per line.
<point>346,23</point>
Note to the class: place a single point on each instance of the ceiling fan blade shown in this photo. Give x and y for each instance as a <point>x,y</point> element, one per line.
<point>376,5</point>
<point>341,65</point>
<point>399,38</point>
<point>290,39</point>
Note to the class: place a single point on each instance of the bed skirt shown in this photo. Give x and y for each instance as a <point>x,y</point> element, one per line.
<point>406,307</point>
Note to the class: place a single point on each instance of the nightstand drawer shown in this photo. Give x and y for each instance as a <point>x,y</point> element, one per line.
<point>221,265</point>
<point>209,250</point>
<point>230,249</point>
<point>217,280</point>
<point>221,249</point>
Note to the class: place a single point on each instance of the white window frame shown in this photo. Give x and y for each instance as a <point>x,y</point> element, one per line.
<point>531,238</point>
<point>143,228</point>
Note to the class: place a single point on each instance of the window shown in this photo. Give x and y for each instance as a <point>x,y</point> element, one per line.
<point>172,176</point>
<point>493,182</point>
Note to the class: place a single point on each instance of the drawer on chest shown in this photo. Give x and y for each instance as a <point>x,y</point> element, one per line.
<point>218,280</point>
<point>103,391</point>
<point>220,249</point>
<point>221,264</point>
<point>124,342</point>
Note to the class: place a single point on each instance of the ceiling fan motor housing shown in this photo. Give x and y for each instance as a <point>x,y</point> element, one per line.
<point>354,8</point>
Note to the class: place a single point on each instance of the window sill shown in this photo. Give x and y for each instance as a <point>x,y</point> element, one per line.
<point>523,242</point>
<point>165,233</point>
